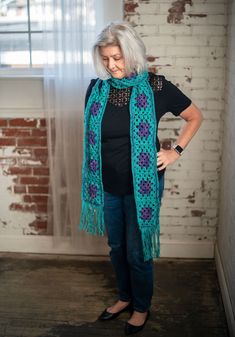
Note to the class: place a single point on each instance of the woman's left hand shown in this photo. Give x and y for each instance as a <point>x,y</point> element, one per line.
<point>165,158</point>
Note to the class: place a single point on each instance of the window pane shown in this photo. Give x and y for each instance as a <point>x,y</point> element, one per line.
<point>37,50</point>
<point>36,15</point>
<point>14,50</point>
<point>13,15</point>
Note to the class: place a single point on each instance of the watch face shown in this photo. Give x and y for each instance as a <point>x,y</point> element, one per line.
<point>178,149</point>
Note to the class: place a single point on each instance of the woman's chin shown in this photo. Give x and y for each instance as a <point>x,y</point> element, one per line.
<point>119,75</point>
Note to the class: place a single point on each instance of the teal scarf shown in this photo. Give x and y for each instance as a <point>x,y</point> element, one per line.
<point>143,127</point>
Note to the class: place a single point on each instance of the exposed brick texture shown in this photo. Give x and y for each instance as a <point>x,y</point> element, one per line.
<point>23,157</point>
<point>20,122</point>
<point>186,41</point>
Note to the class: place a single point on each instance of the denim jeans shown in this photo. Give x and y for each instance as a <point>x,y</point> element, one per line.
<point>134,276</point>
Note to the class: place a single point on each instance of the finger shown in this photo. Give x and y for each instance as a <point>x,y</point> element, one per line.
<point>160,162</point>
<point>161,166</point>
<point>161,159</point>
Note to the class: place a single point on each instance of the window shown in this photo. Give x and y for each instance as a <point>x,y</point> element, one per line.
<point>21,35</point>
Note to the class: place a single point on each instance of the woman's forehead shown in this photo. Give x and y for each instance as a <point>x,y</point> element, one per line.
<point>110,50</point>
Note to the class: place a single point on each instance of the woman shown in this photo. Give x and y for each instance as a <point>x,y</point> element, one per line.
<point>123,168</point>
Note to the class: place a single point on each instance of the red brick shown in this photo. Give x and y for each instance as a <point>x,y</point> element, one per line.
<point>3,122</point>
<point>23,122</point>
<point>39,224</point>
<point>19,189</point>
<point>40,153</point>
<point>29,180</point>
<point>38,189</point>
<point>19,170</point>
<point>7,142</point>
<point>36,198</point>
<point>42,208</point>
<point>32,141</point>
<point>16,132</point>
<point>40,198</point>
<point>34,180</point>
<point>43,122</point>
<point>39,132</point>
<point>130,7</point>
<point>166,144</point>
<point>27,198</point>
<point>22,207</point>
<point>41,171</point>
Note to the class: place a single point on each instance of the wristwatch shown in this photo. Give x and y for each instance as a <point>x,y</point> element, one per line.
<point>178,149</point>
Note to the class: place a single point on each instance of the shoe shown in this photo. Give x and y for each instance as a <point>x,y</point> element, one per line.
<point>107,316</point>
<point>131,329</point>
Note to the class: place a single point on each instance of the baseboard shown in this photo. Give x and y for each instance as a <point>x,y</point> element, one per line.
<point>187,249</point>
<point>89,245</point>
<point>225,293</point>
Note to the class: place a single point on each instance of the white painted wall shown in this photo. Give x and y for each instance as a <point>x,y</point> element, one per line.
<point>186,42</point>
<point>21,98</point>
<point>226,231</point>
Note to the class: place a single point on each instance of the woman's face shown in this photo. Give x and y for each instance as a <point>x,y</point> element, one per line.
<point>113,61</point>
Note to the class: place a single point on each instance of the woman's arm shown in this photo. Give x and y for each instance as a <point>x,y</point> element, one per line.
<point>193,117</point>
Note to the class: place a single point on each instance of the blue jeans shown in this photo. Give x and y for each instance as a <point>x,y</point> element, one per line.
<point>134,276</point>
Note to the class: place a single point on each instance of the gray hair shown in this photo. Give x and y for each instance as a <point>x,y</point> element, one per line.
<point>123,35</point>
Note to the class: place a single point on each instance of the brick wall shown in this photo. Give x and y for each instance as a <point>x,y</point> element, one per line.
<point>24,176</point>
<point>186,41</point>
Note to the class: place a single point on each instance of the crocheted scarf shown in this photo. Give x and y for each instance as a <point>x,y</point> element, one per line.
<point>143,128</point>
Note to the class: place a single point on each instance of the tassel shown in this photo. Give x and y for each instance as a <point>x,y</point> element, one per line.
<point>92,219</point>
<point>151,243</point>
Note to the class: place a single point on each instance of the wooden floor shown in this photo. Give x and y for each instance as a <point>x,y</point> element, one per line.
<point>61,296</point>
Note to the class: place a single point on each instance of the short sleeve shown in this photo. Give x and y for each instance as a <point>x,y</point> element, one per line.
<point>176,100</point>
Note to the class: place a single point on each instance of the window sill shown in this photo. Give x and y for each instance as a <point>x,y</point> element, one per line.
<point>21,73</point>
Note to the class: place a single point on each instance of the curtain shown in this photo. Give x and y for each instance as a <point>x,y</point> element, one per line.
<point>70,28</point>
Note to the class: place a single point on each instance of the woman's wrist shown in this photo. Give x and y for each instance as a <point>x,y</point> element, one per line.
<point>177,148</point>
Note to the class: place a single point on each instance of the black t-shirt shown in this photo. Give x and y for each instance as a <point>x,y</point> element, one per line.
<point>115,130</point>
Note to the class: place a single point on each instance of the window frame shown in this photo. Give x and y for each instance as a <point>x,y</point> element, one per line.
<point>28,71</point>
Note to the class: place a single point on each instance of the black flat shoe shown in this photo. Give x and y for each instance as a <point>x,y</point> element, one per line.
<point>131,329</point>
<point>107,316</point>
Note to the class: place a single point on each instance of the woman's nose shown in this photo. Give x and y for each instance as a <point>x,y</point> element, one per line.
<point>111,63</point>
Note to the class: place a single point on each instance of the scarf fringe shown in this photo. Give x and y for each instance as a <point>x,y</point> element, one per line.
<point>151,243</point>
<point>92,219</point>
